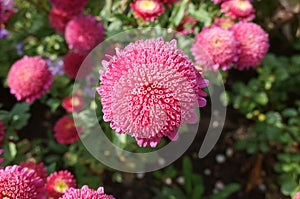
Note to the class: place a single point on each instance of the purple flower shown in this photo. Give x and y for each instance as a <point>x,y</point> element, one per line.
<point>20,48</point>
<point>56,67</point>
<point>3,33</point>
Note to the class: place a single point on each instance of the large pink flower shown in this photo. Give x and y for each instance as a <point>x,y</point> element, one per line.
<point>242,9</point>
<point>86,193</point>
<point>18,182</point>
<point>83,33</point>
<point>29,78</point>
<point>219,44</point>
<point>148,10</point>
<point>58,183</point>
<point>65,130</point>
<point>254,44</point>
<point>69,5</point>
<point>149,89</point>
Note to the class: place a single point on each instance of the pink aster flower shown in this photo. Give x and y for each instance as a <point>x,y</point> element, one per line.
<point>149,89</point>
<point>224,23</point>
<point>39,169</point>
<point>72,63</point>
<point>297,196</point>
<point>69,5</point>
<point>83,33</point>
<point>187,25</point>
<point>254,44</point>
<point>73,103</point>
<point>65,130</point>
<point>219,44</point>
<point>29,78</point>
<point>18,182</point>
<point>86,193</point>
<point>148,10</point>
<point>58,183</point>
<point>58,19</point>
<point>242,9</point>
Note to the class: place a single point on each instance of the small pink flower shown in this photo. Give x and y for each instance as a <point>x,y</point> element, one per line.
<point>86,193</point>
<point>224,23</point>
<point>187,25</point>
<point>29,78</point>
<point>58,183</point>
<point>73,6</point>
<point>242,9</point>
<point>83,33</point>
<point>254,44</point>
<point>18,182</point>
<point>73,103</point>
<point>58,19</point>
<point>65,130</point>
<point>145,88</point>
<point>39,169</point>
<point>148,10</point>
<point>217,45</point>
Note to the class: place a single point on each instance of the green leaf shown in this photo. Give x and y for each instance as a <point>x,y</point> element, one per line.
<point>226,191</point>
<point>178,12</point>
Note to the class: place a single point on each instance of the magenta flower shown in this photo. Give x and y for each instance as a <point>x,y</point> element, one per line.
<point>71,6</point>
<point>72,63</point>
<point>29,78</point>
<point>217,45</point>
<point>86,193</point>
<point>18,182</point>
<point>254,44</point>
<point>149,89</point>
<point>148,10</point>
<point>39,169</point>
<point>241,9</point>
<point>65,130</point>
<point>73,103</point>
<point>58,19</point>
<point>83,33</point>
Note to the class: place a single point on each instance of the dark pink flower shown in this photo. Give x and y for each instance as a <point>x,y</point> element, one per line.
<point>73,103</point>
<point>58,183</point>
<point>83,33</point>
<point>72,6</point>
<point>65,130</point>
<point>217,45</point>
<point>58,19</point>
<point>242,9</point>
<point>18,182</point>
<point>29,78</point>
<point>72,63</point>
<point>187,25</point>
<point>254,44</point>
<point>39,169</point>
<point>224,23</point>
<point>86,193</point>
<point>148,10</point>
<point>149,89</point>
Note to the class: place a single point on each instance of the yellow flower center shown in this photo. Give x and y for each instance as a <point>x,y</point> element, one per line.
<point>75,101</point>
<point>244,5</point>
<point>216,42</point>
<point>147,5</point>
<point>61,186</point>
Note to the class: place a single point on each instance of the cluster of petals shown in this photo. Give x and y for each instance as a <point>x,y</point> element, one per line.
<point>29,78</point>
<point>86,193</point>
<point>238,9</point>
<point>39,169</point>
<point>148,10</point>
<point>65,131</point>
<point>144,90</point>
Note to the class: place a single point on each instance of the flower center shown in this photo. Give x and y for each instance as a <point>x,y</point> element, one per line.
<point>75,101</point>
<point>60,186</point>
<point>147,5</point>
<point>244,5</point>
<point>216,42</point>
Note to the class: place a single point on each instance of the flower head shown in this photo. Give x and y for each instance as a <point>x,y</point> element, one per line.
<point>58,183</point>
<point>29,78</point>
<point>297,196</point>
<point>145,88</point>
<point>224,23</point>
<point>73,103</point>
<point>72,6</point>
<point>86,193</point>
<point>18,182</point>
<point>254,44</point>
<point>59,18</point>
<point>83,33</point>
<point>242,9</point>
<point>148,10</point>
<point>65,130</point>
<point>72,63</point>
<point>39,169</point>
<point>219,44</point>
<point>187,25</point>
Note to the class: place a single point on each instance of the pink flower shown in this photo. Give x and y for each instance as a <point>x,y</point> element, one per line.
<point>224,23</point>
<point>148,10</point>
<point>83,33</point>
<point>18,182</point>
<point>58,183</point>
<point>254,44</point>
<point>187,25</point>
<point>145,88</point>
<point>69,5</point>
<point>58,19</point>
<point>217,45</point>
<point>65,130</point>
<point>29,78</point>
<point>242,9</point>
<point>72,63</point>
<point>73,103</point>
<point>297,196</point>
<point>39,169</point>
<point>86,193</point>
